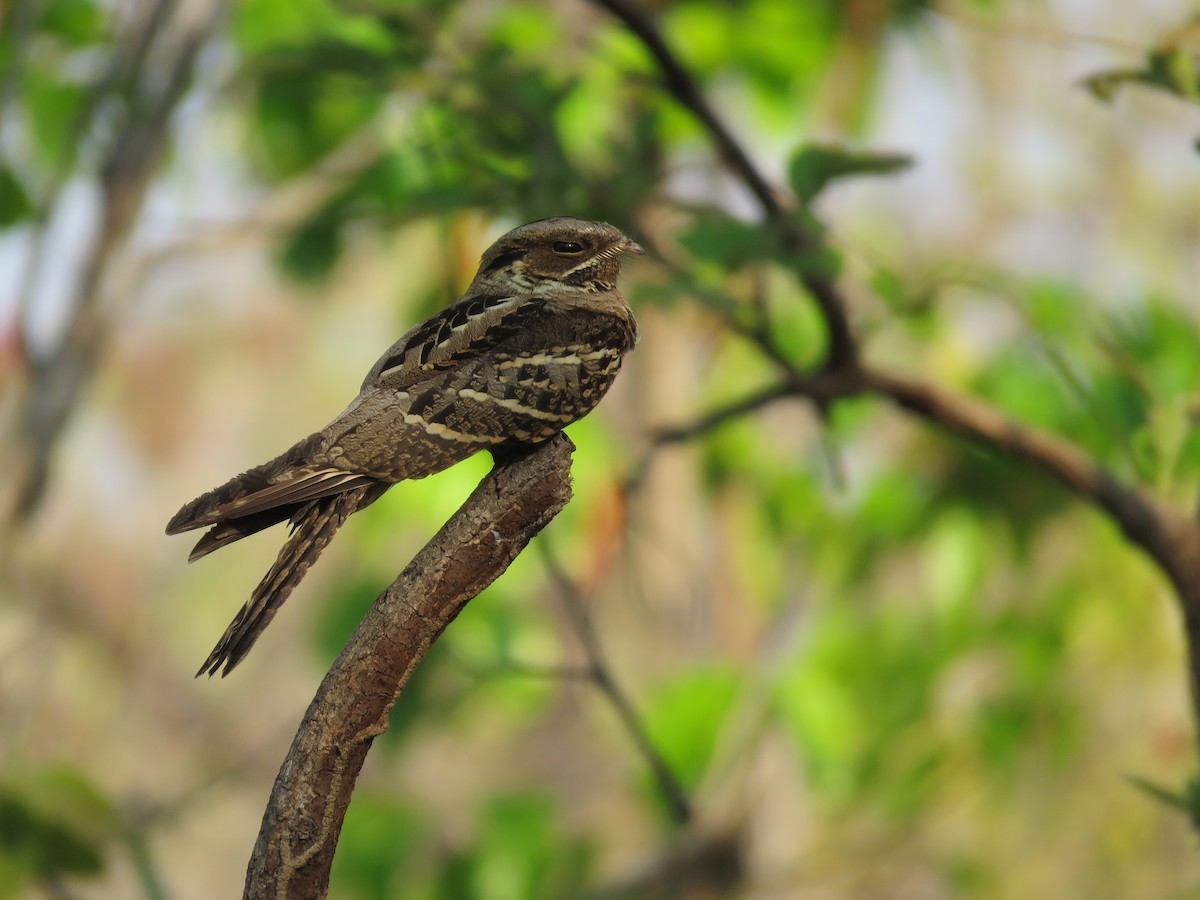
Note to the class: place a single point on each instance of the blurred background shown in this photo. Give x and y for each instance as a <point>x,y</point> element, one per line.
<point>880,662</point>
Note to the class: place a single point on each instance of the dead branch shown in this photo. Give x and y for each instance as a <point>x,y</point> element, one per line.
<point>304,816</point>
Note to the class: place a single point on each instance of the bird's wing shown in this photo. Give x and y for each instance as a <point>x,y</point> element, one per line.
<point>370,441</point>
<point>521,382</point>
<point>466,329</point>
<point>291,479</point>
<point>297,489</point>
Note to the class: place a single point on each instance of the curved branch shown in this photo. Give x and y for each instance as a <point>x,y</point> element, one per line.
<point>303,820</point>
<point>776,207</point>
<point>1163,533</point>
<point>1171,540</point>
<point>1144,521</point>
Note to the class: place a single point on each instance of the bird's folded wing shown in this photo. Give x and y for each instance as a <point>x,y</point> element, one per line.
<point>250,499</point>
<point>469,328</point>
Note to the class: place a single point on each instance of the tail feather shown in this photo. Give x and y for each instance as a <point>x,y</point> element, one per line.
<point>315,524</point>
<point>224,533</point>
<point>209,508</point>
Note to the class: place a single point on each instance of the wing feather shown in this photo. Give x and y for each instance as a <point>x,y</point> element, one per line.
<point>304,486</point>
<point>469,328</point>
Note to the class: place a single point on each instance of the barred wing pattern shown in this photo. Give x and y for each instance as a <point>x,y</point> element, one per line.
<point>519,382</point>
<point>533,346</point>
<point>485,373</point>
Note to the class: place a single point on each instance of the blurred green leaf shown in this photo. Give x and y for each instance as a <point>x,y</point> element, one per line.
<point>685,716</point>
<point>1172,70</point>
<point>777,49</point>
<point>1159,444</point>
<point>1186,800</point>
<point>889,287</point>
<point>717,238</point>
<point>267,25</point>
<point>54,822</point>
<point>78,23</point>
<point>310,252</point>
<point>53,106</point>
<point>1054,308</point>
<point>303,114</point>
<point>814,167</point>
<point>956,549</point>
<point>797,328</point>
<point>382,850</point>
<point>15,205</point>
<point>520,854</point>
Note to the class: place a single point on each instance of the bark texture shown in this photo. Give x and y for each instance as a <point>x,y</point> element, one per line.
<point>299,833</point>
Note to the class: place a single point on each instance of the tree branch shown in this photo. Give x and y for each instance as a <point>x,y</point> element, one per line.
<point>600,673</point>
<point>303,819</point>
<point>1166,535</point>
<point>60,377</point>
<point>822,388</point>
<point>1144,520</point>
<point>679,82</point>
<point>777,208</point>
<point>1170,539</point>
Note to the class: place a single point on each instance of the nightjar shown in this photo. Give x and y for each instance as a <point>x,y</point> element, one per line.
<point>530,348</point>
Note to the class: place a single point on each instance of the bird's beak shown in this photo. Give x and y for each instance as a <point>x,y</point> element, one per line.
<point>632,247</point>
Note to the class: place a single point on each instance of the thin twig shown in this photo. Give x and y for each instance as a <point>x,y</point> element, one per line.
<point>842,352</point>
<point>681,84</point>
<point>1145,521</point>
<point>701,426</point>
<point>601,674</point>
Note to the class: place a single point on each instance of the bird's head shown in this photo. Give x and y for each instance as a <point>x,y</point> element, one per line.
<point>576,253</point>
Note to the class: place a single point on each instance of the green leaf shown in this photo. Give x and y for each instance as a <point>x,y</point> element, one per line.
<point>310,252</point>
<point>1160,444</point>
<point>815,166</point>
<point>265,25</point>
<point>53,107</point>
<point>1170,69</point>
<point>78,23</point>
<point>15,205</point>
<point>378,848</point>
<point>730,243</point>
<point>304,112</point>
<point>685,718</point>
<point>1181,73</point>
<point>521,853</point>
<point>53,821</point>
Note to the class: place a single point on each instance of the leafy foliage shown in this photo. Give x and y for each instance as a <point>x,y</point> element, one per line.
<point>915,654</point>
<point>815,167</point>
<point>53,823</point>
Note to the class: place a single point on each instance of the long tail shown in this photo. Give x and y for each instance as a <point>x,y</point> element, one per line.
<point>315,525</point>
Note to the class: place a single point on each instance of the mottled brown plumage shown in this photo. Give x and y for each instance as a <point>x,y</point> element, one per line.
<point>531,347</point>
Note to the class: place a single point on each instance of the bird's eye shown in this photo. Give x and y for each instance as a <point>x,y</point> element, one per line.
<point>567,248</point>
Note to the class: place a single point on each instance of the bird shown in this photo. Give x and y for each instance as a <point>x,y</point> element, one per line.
<point>532,345</point>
